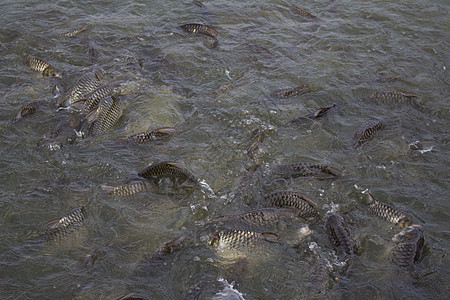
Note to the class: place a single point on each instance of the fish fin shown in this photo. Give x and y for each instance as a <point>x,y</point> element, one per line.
<point>108,189</point>
<point>410,95</point>
<point>166,130</point>
<point>52,224</point>
<point>270,237</point>
<point>78,101</point>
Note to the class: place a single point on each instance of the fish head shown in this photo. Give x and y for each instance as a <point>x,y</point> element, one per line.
<point>213,240</point>
<point>50,72</point>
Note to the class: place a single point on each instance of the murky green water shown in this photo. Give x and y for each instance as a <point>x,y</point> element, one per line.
<point>263,46</point>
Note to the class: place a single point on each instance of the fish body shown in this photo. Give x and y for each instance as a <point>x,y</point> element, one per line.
<point>367,132</point>
<point>339,233</point>
<point>264,218</point>
<point>235,239</point>
<point>319,113</point>
<point>305,169</point>
<point>286,93</point>
<point>63,226</point>
<point>91,50</point>
<point>168,169</point>
<point>319,278</point>
<point>303,12</point>
<point>75,32</point>
<point>389,79</point>
<point>29,109</point>
<point>201,29</point>
<point>127,189</point>
<point>57,88</point>
<point>83,86</point>
<point>42,66</point>
<point>408,246</point>
<point>151,135</point>
<point>389,97</point>
<point>107,113</point>
<point>304,206</point>
<point>257,140</point>
<point>387,212</point>
<point>93,98</point>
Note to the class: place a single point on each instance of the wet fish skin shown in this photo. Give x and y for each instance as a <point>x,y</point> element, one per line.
<point>339,233</point>
<point>91,50</point>
<point>319,278</point>
<point>83,86</point>
<point>127,189</point>
<point>168,169</point>
<point>408,246</point>
<point>131,296</point>
<point>198,3</point>
<point>75,32</point>
<point>93,98</point>
<point>319,113</point>
<point>304,206</point>
<point>387,212</point>
<point>42,66</point>
<point>172,246</point>
<point>306,169</point>
<point>63,226</point>
<point>234,239</point>
<point>303,12</point>
<point>390,97</point>
<point>105,116</point>
<point>389,79</point>
<point>257,140</point>
<point>367,132</point>
<point>201,29</point>
<point>29,109</point>
<point>151,135</point>
<point>286,93</point>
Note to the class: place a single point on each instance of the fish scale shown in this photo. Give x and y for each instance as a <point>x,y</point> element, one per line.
<point>29,109</point>
<point>94,97</point>
<point>83,86</point>
<point>408,246</point>
<point>201,29</point>
<point>286,93</point>
<point>171,169</point>
<point>256,219</point>
<point>387,212</point>
<point>66,224</point>
<point>389,97</point>
<point>106,115</point>
<point>303,12</point>
<point>305,206</point>
<point>42,66</point>
<point>338,233</point>
<point>240,238</point>
<point>305,169</point>
<point>367,132</point>
<point>127,189</point>
<point>151,135</point>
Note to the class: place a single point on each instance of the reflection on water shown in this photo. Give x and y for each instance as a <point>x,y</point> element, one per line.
<point>216,98</point>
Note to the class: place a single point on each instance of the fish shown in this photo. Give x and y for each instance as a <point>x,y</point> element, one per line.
<point>389,79</point>
<point>339,233</point>
<point>303,12</point>
<point>408,246</point>
<point>286,93</point>
<point>304,206</point>
<point>131,296</point>
<point>201,29</point>
<point>235,239</point>
<point>29,109</point>
<point>91,50</point>
<point>257,139</point>
<point>319,278</point>
<point>42,66</point>
<point>389,97</point>
<point>319,113</point>
<point>168,169</point>
<point>198,3</point>
<point>150,135</point>
<point>422,146</point>
<point>92,99</point>
<point>172,246</point>
<point>63,226</point>
<point>258,219</point>
<point>75,32</point>
<point>387,212</point>
<point>314,170</point>
<point>127,189</point>
<point>83,86</point>
<point>367,132</point>
<point>57,88</point>
<point>104,116</point>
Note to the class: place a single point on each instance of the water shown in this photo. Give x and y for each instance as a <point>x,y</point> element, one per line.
<point>265,47</point>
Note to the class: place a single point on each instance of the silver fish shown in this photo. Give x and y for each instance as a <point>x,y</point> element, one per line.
<point>29,109</point>
<point>367,132</point>
<point>92,99</point>
<point>63,226</point>
<point>235,239</point>
<point>390,97</point>
<point>75,32</point>
<point>389,79</point>
<point>294,170</point>
<point>304,206</point>
<point>387,212</point>
<point>127,189</point>
<point>168,169</point>
<point>286,93</point>
<point>303,12</point>
<point>151,135</point>
<point>42,66</point>
<point>83,86</point>
<point>104,116</point>
<point>201,29</point>
<point>319,113</point>
<point>257,139</point>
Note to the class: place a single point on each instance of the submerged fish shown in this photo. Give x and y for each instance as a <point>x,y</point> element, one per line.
<point>235,239</point>
<point>339,233</point>
<point>319,113</point>
<point>172,246</point>
<point>63,226</point>
<point>102,118</point>
<point>42,66</point>
<point>151,135</point>
<point>83,86</point>
<point>387,212</point>
<point>389,97</point>
<point>306,169</point>
<point>127,189</point>
<point>286,93</point>
<point>319,278</point>
<point>201,29</point>
<point>92,99</point>
<point>91,50</point>
<point>57,88</point>
<point>367,132</point>
<point>75,32</point>
<point>303,12</point>
<point>168,169</point>
<point>304,206</point>
<point>265,219</point>
<point>29,109</point>
<point>422,146</point>
<point>389,79</point>
<point>257,139</point>
<point>408,246</point>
